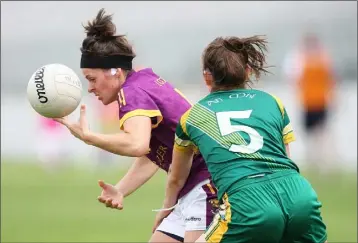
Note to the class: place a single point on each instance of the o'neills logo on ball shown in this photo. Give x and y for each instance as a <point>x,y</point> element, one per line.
<point>39,81</point>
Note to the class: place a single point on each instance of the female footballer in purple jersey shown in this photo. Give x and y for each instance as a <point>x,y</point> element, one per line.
<point>150,109</point>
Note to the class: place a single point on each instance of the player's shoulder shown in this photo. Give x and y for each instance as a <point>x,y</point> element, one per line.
<point>259,93</point>
<point>202,103</point>
<point>148,81</point>
<point>198,111</point>
<point>191,113</point>
<point>277,101</point>
<point>209,99</point>
<point>134,90</point>
<point>216,97</point>
<point>146,73</point>
<point>137,78</point>
<point>263,95</point>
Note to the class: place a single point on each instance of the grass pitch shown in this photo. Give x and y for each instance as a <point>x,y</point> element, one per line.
<point>38,206</point>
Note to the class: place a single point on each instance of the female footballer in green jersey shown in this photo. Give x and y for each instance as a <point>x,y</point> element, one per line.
<point>244,136</point>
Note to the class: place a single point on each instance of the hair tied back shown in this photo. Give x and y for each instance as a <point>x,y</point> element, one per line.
<point>234,47</point>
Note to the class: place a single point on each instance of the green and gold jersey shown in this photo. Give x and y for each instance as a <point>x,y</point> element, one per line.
<point>239,133</point>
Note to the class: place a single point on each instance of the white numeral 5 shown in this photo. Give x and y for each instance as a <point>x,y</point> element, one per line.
<point>224,122</point>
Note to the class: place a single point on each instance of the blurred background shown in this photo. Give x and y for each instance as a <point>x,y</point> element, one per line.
<point>49,179</point>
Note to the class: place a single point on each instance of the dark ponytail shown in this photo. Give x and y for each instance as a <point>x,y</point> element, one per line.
<point>228,59</point>
<point>102,40</point>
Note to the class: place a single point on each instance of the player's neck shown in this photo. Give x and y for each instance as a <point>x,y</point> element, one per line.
<point>225,88</point>
<point>127,74</point>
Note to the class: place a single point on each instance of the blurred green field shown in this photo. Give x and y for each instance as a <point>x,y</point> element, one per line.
<point>38,206</point>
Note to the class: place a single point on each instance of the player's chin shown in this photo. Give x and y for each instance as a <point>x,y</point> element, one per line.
<point>105,101</point>
<point>108,99</point>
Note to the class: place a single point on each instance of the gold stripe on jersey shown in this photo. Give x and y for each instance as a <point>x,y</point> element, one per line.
<point>287,130</point>
<point>211,188</point>
<point>184,145</point>
<point>181,148</point>
<point>183,121</point>
<point>287,133</point>
<point>289,137</point>
<point>279,103</point>
<point>183,96</point>
<point>181,142</point>
<point>141,112</point>
<point>123,98</point>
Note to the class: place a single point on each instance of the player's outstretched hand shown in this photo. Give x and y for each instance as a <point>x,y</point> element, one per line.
<point>110,196</point>
<point>78,129</point>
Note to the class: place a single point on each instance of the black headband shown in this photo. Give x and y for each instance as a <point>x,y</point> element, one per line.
<point>106,62</point>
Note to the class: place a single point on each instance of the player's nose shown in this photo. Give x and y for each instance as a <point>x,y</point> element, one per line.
<point>90,89</point>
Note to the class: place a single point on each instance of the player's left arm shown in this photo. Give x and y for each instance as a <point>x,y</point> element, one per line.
<point>179,170</point>
<point>138,112</point>
<point>178,174</point>
<point>287,147</point>
<point>182,159</point>
<point>288,135</point>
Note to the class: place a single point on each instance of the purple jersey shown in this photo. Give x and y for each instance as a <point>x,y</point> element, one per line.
<point>146,94</point>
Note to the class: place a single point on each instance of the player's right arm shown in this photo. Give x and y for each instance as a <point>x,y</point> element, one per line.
<point>140,172</point>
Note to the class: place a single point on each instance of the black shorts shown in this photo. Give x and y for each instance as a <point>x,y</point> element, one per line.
<point>314,119</point>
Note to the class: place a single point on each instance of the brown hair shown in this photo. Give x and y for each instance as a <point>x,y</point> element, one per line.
<point>102,40</point>
<point>227,59</point>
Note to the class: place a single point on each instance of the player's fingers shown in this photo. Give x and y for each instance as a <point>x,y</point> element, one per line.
<point>109,202</point>
<point>117,204</point>
<point>103,185</point>
<point>63,121</point>
<point>101,199</point>
<point>83,115</point>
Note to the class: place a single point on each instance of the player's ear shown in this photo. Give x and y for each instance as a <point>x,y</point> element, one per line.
<point>115,71</point>
<point>248,72</point>
<point>118,73</point>
<point>208,78</point>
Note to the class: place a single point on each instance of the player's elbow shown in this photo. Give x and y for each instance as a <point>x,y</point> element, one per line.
<point>140,149</point>
<point>176,182</point>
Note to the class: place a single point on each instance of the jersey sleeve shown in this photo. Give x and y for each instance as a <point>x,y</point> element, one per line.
<point>288,135</point>
<point>287,132</point>
<point>134,101</point>
<point>182,139</point>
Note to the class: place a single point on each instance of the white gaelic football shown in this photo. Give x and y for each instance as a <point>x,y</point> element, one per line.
<point>54,91</point>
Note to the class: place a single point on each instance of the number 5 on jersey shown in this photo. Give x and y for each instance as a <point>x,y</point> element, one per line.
<point>225,126</point>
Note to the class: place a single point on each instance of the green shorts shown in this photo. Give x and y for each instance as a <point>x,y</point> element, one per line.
<point>278,207</point>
